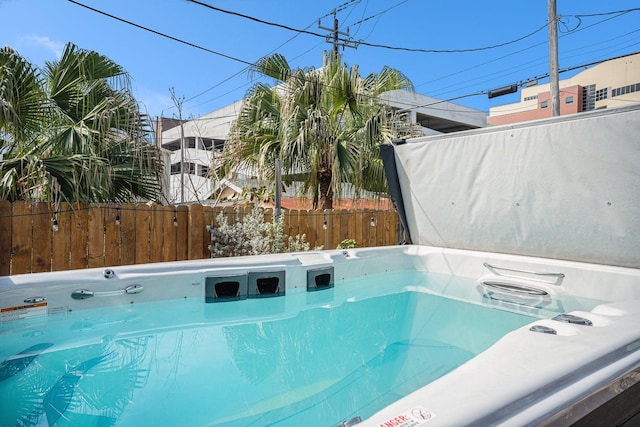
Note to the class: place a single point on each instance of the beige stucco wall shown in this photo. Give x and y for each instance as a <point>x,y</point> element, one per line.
<point>608,75</point>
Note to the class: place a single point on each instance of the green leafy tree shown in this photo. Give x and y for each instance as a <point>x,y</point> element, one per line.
<point>324,124</point>
<point>73,131</point>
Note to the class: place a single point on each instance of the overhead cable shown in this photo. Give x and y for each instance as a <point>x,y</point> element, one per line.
<point>362,43</point>
<point>162,34</point>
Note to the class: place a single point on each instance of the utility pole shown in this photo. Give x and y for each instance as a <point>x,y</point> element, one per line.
<point>554,84</point>
<point>334,37</point>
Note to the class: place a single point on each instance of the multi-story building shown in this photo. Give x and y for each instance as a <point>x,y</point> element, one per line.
<point>187,165</point>
<point>434,116</point>
<point>609,84</point>
<point>204,137</point>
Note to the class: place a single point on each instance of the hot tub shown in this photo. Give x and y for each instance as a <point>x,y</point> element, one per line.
<point>395,336</point>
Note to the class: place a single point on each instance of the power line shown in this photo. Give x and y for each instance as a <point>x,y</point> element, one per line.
<point>251,18</point>
<point>575,30</point>
<point>358,43</point>
<point>175,38</point>
<point>342,7</point>
<point>379,13</point>
<point>608,13</point>
<point>477,49</point>
<point>308,32</point>
<point>161,34</point>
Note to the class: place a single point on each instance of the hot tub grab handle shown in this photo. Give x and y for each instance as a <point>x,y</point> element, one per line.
<point>536,273</point>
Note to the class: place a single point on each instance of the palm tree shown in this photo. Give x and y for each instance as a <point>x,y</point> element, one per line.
<point>324,125</point>
<point>73,131</point>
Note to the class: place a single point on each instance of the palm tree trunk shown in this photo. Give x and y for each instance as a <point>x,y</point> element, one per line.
<point>326,192</point>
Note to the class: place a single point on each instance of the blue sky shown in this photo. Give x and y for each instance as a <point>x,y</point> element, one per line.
<point>213,74</point>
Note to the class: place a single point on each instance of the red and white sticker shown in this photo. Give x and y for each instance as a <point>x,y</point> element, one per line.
<point>414,417</point>
<point>23,311</point>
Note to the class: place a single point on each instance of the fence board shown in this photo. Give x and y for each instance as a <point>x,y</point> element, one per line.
<point>5,238</point>
<point>310,228</point>
<point>318,220</point>
<point>365,219</point>
<point>128,233</point>
<point>374,229</point>
<point>42,229</point>
<point>143,232</point>
<point>381,237</point>
<point>363,226</point>
<point>391,228</point>
<point>21,238</point>
<point>61,239</point>
<point>325,229</point>
<point>210,214</point>
<point>386,230</point>
<point>182,233</point>
<point>156,240</point>
<point>96,236</point>
<point>334,225</point>
<point>372,226</point>
<point>368,232</point>
<point>79,237</point>
<point>347,223</point>
<point>170,227</point>
<point>111,237</point>
<point>294,223</point>
<point>286,223</point>
<point>302,224</point>
<point>196,240</point>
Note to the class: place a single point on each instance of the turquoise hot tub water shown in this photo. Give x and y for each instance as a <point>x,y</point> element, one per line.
<point>308,358</point>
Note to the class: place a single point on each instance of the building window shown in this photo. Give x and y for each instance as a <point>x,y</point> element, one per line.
<point>172,146</point>
<point>625,90</point>
<point>569,100</point>
<point>207,143</point>
<point>544,104</point>
<point>203,170</point>
<point>601,94</point>
<point>589,98</point>
<point>189,168</point>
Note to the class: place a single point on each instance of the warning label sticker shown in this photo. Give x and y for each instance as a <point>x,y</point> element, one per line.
<point>414,417</point>
<point>23,311</point>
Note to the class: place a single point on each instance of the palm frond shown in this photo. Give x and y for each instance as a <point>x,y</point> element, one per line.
<point>326,123</point>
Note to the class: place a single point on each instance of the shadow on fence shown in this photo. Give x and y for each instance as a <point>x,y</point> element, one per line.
<point>36,238</point>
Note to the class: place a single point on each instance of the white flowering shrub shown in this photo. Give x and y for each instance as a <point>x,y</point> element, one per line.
<point>253,236</point>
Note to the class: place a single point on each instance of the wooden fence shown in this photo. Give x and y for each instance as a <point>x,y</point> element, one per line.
<point>34,237</point>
